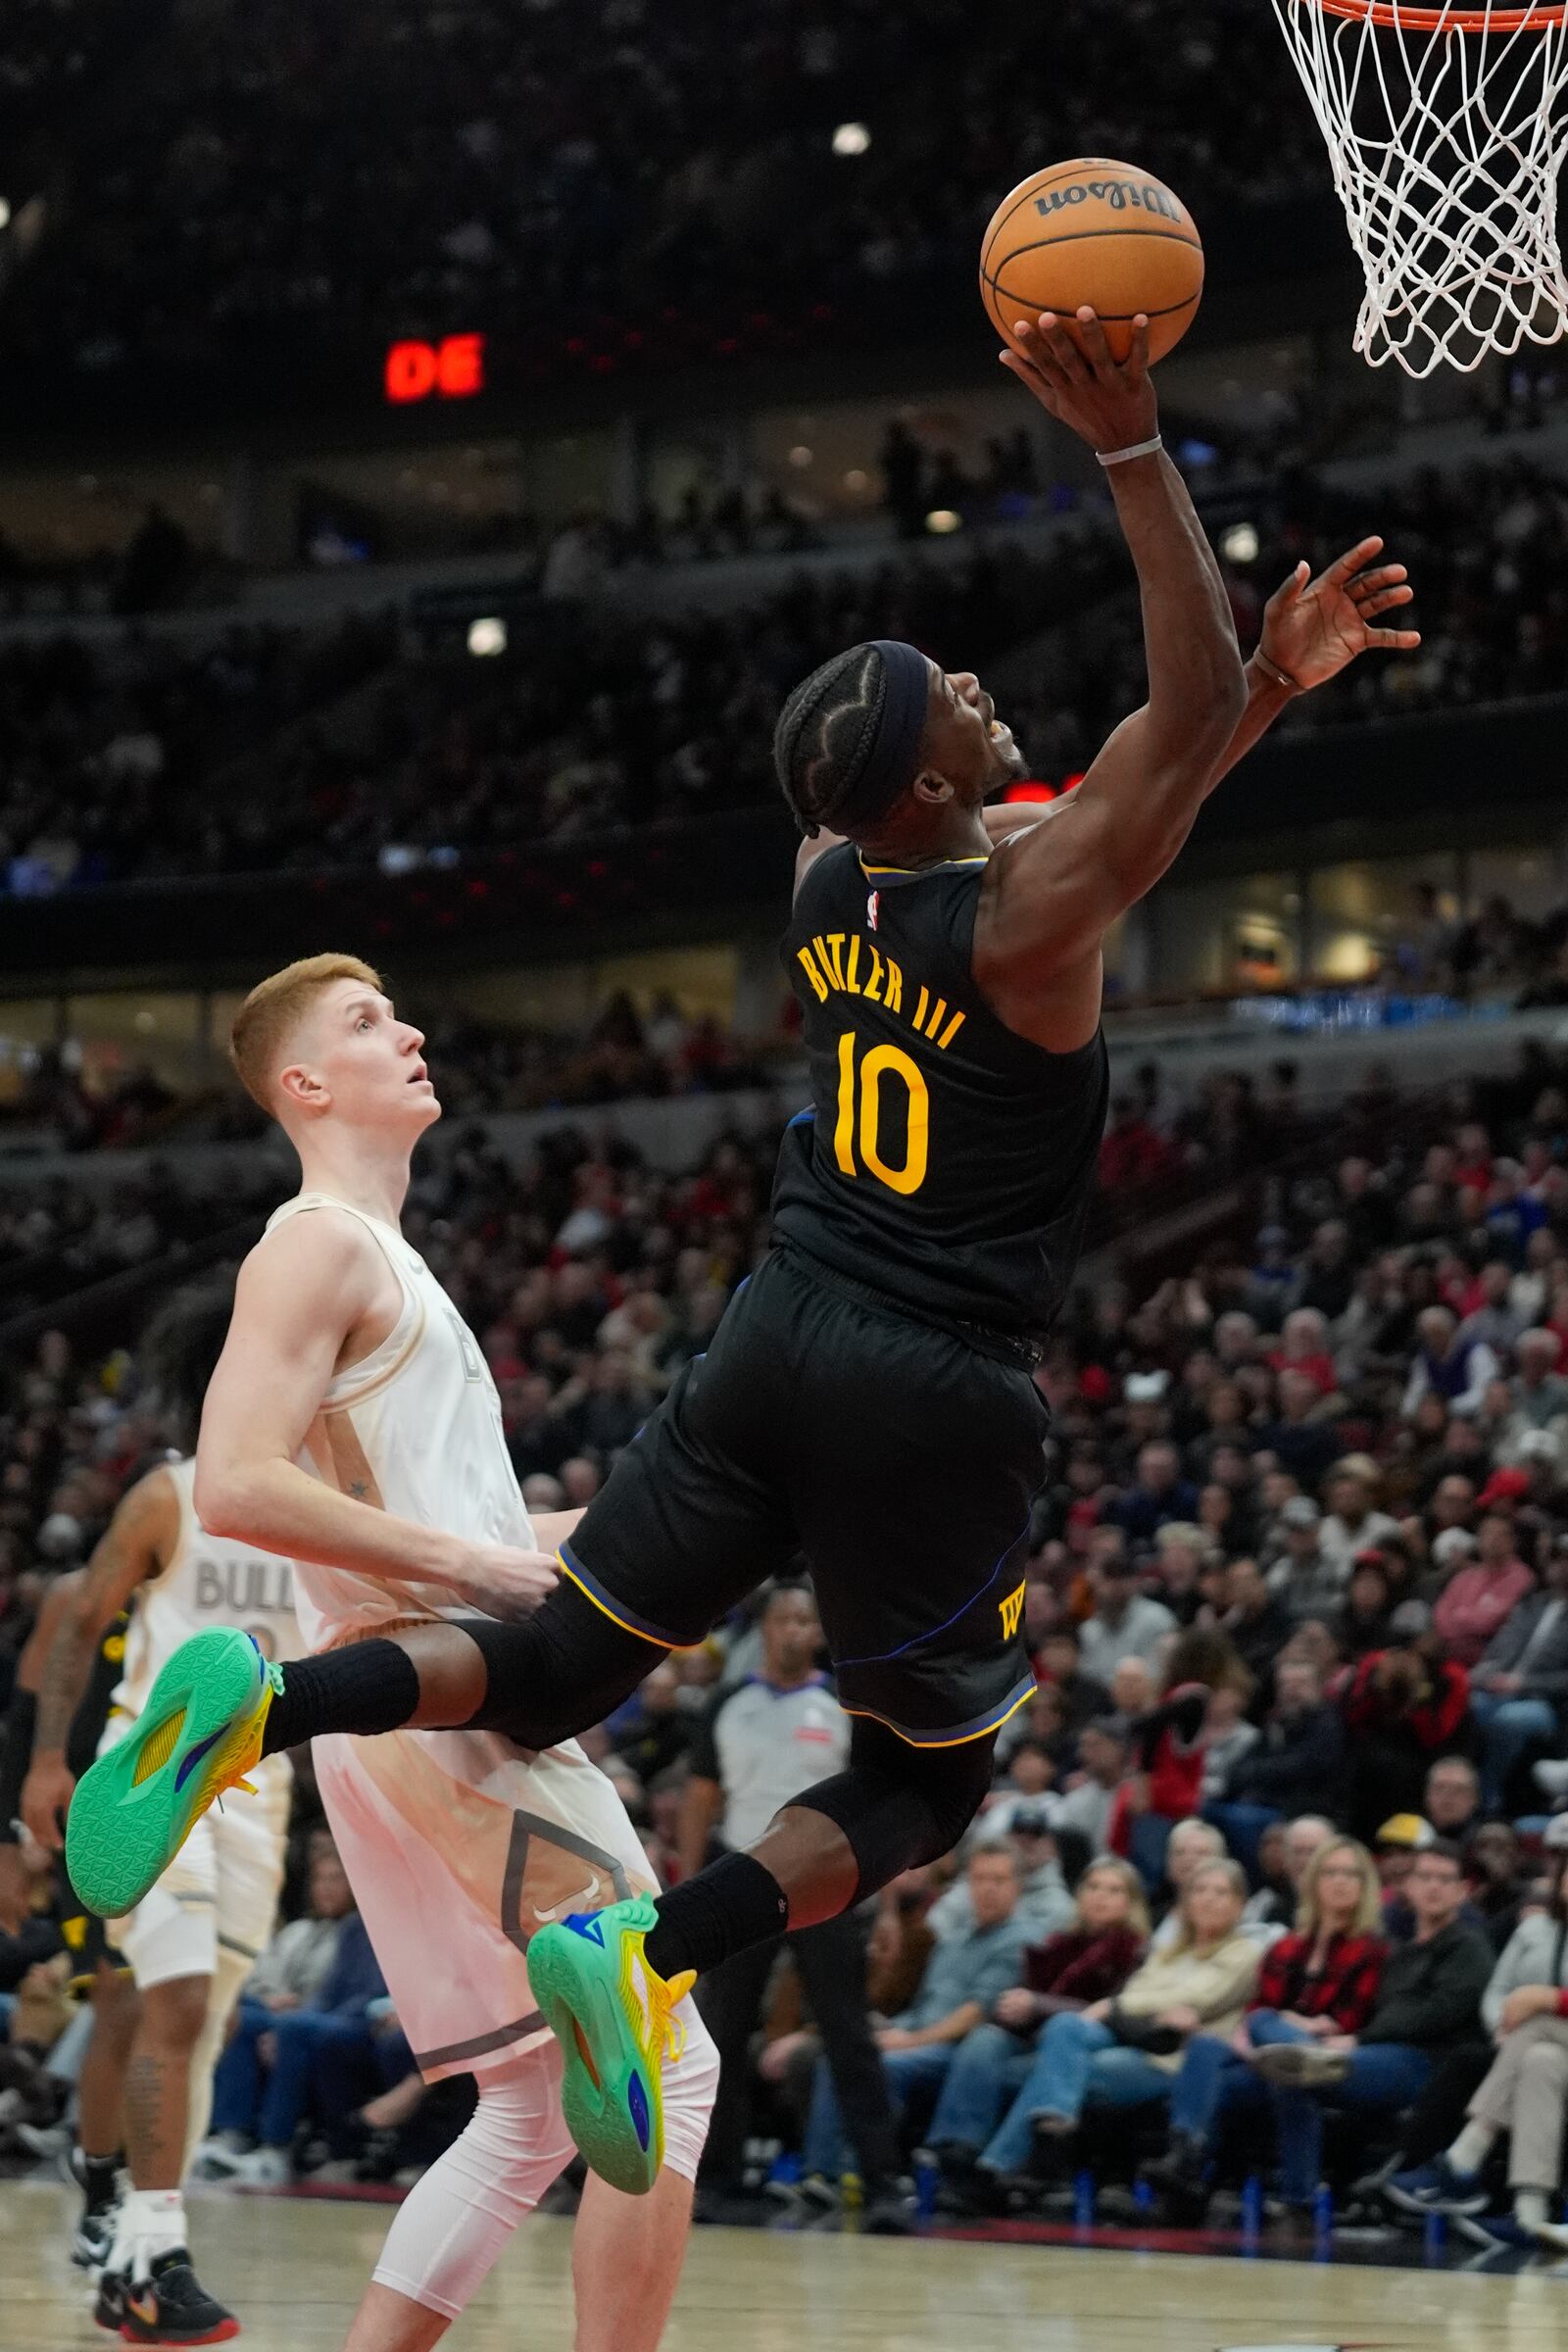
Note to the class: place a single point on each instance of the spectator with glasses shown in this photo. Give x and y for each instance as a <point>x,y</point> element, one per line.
<point>1429,1996</point>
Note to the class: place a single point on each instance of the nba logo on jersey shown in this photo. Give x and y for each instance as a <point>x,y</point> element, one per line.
<point>871,906</point>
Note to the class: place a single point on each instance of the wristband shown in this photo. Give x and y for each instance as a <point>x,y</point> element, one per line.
<point>1272,669</point>
<point>1124,456</point>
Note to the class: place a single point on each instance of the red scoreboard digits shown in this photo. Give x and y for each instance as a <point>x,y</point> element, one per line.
<point>451,370</point>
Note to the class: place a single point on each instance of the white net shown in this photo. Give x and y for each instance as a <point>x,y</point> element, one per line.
<point>1447,133</point>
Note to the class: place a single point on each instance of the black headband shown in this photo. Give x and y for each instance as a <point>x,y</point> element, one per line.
<point>891,762</point>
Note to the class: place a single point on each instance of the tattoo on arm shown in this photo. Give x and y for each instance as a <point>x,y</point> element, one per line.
<point>65,1677</point>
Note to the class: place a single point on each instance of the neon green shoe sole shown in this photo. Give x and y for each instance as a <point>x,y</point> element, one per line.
<point>199,1732</point>
<point>583,1972</point>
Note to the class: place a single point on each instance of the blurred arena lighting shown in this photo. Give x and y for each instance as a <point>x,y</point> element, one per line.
<point>4,214</point>
<point>487,636</point>
<point>800,456</point>
<point>1239,545</point>
<point>851,138</point>
<point>942,522</point>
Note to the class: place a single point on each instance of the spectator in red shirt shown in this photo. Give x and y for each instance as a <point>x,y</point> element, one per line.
<point>1476,1603</point>
<point>1407,1705</point>
<point>1304,1347</point>
<point>1322,1981</point>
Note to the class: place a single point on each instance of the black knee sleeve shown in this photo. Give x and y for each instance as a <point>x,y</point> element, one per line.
<point>561,1671</point>
<point>900,1806</point>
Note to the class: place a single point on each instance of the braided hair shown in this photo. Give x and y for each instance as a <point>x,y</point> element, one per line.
<point>825,736</point>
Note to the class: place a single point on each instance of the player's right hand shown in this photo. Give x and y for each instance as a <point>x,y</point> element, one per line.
<point>505,1582</point>
<point>46,1796</point>
<point>1067,365</point>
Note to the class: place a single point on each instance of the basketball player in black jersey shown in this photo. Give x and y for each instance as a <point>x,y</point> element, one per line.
<point>869,1396</point>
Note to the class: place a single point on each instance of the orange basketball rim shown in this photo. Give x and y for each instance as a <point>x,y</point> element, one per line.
<point>1390,15</point>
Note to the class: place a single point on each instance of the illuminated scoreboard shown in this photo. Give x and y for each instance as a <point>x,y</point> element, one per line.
<point>451,370</point>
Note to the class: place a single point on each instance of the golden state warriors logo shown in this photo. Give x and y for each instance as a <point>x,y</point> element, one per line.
<point>1011,1613</point>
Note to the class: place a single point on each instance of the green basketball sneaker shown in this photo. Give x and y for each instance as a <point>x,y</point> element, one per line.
<point>199,1734</point>
<point>611,2015</point>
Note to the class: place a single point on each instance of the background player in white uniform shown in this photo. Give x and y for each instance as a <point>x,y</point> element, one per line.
<point>350,1378</point>
<point>193,1940</point>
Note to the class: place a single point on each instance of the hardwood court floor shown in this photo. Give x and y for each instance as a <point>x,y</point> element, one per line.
<point>293,2269</point>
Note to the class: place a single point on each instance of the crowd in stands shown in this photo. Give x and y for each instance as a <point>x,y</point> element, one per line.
<point>57,1099</point>
<point>609,180</point>
<point>1276,1842</point>
<point>140,758</point>
<point>134,757</point>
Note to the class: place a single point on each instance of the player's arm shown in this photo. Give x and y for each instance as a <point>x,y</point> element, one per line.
<point>1050,895</point>
<point>137,1543</point>
<point>16,1749</point>
<point>301,1294</point>
<point>1312,629</point>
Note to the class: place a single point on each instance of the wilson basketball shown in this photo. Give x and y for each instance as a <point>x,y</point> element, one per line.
<point>1099,232</point>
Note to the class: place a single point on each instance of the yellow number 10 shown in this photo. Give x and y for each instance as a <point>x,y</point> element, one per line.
<point>892,1061</point>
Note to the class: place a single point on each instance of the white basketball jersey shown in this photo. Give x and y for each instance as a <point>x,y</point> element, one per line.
<point>209,1580</point>
<point>416,1430</point>
<point>458,1844</point>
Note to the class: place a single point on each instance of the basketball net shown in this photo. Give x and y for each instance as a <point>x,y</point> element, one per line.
<point>1446,138</point>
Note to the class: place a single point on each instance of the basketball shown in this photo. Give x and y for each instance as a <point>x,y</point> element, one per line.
<point>1099,232</point>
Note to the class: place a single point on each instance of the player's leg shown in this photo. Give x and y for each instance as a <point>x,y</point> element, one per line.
<point>626,2258</point>
<point>100,2157</point>
<point>451,2229</point>
<point>832,1959</point>
<point>731,2002</point>
<point>911,1464</point>
<point>149,2290</point>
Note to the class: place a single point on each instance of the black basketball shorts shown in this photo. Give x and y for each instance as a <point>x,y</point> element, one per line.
<point>899,1458</point>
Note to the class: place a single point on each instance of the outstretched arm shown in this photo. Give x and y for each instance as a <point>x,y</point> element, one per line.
<point>1050,895</point>
<point>1312,629</point>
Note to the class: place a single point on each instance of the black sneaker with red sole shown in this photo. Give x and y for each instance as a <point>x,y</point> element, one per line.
<point>170,2306</point>
<point>109,2307</point>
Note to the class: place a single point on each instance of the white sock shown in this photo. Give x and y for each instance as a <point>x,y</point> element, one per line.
<point>1473,2146</point>
<point>1530,2207</point>
<point>150,2222</point>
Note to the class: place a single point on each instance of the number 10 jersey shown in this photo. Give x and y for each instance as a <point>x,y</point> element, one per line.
<point>944,1161</point>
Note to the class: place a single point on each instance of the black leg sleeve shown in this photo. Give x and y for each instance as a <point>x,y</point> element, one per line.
<point>899,1805</point>
<point>561,1671</point>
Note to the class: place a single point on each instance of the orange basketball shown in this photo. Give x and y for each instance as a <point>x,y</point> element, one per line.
<point>1099,232</point>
